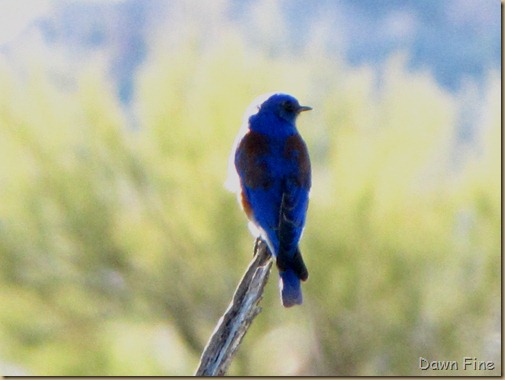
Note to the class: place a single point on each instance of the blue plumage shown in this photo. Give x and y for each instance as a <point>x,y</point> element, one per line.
<point>273,166</point>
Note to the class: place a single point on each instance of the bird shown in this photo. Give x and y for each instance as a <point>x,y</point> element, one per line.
<point>271,173</point>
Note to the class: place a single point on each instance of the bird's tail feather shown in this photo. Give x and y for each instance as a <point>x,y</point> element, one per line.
<point>292,269</point>
<point>291,292</point>
<point>294,262</point>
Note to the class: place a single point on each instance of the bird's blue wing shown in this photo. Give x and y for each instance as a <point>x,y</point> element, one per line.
<point>293,209</point>
<point>260,190</point>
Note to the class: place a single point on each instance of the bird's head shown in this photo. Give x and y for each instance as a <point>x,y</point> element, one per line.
<point>282,105</point>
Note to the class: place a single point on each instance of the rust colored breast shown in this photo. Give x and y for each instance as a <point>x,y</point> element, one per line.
<point>246,205</point>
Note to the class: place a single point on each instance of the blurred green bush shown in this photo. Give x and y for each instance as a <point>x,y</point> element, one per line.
<point>120,247</point>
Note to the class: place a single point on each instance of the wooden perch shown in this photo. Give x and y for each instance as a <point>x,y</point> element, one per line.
<point>232,326</point>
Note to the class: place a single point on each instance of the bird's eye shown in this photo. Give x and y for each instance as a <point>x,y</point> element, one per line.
<point>289,106</point>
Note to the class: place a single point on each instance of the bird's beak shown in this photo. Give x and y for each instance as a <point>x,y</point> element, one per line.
<point>304,108</point>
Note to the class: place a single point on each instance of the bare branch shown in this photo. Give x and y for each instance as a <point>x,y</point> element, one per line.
<point>233,325</point>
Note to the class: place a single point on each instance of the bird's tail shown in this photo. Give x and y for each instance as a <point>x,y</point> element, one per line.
<point>291,269</point>
<point>291,291</point>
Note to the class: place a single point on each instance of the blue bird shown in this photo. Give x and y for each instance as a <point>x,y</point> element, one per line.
<point>274,178</point>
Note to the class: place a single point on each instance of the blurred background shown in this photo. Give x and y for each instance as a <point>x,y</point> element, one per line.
<point>120,247</point>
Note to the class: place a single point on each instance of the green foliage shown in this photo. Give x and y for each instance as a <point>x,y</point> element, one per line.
<point>120,247</point>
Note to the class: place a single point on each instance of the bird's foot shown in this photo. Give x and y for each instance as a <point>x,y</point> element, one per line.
<point>257,243</point>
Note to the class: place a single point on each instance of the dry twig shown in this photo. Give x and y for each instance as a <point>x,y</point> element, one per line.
<point>232,326</point>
